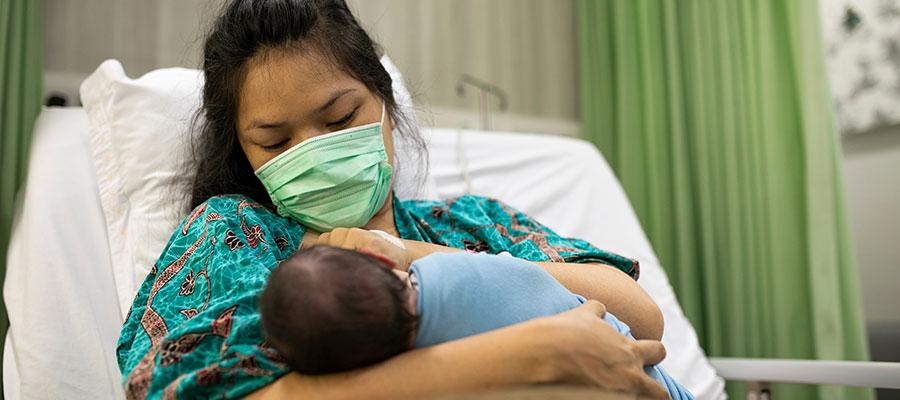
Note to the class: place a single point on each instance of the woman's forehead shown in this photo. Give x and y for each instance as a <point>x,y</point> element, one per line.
<point>300,80</point>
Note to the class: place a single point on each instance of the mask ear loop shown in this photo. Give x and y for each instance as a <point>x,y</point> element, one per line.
<point>383,107</point>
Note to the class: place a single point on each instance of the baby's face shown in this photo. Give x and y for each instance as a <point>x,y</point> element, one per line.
<point>413,294</point>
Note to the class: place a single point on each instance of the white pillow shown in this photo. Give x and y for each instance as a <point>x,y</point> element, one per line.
<point>578,196</point>
<point>139,130</point>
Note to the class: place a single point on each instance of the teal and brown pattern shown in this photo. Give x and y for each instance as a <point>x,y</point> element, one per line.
<point>193,330</point>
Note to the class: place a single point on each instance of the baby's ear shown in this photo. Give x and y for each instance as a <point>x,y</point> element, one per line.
<point>387,262</point>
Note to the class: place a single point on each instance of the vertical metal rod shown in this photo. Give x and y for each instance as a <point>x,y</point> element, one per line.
<point>485,90</point>
<point>484,108</point>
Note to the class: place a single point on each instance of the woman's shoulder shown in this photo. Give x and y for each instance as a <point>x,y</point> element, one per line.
<point>230,203</point>
<point>466,210</point>
<point>469,203</point>
<point>203,288</point>
<point>233,207</point>
<point>233,211</point>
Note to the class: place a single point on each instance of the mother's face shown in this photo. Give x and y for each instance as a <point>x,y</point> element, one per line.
<point>289,97</point>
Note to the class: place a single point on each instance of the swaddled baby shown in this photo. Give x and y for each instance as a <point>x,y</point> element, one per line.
<point>328,309</point>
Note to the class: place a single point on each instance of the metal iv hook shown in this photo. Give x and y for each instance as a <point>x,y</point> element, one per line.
<point>485,90</point>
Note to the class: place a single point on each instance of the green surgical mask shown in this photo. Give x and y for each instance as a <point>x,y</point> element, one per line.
<point>340,179</point>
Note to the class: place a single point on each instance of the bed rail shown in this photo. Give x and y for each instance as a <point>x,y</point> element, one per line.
<point>760,374</point>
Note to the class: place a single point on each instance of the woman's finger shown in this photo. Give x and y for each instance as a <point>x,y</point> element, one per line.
<point>334,238</point>
<point>324,238</point>
<point>651,352</point>
<point>595,307</point>
<point>338,237</point>
<point>310,239</point>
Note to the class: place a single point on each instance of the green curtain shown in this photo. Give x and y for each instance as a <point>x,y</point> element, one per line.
<point>716,116</point>
<point>21,85</point>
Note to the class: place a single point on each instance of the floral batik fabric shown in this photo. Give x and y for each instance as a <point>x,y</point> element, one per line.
<point>193,330</point>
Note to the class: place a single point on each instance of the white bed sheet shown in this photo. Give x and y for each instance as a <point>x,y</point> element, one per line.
<point>59,291</point>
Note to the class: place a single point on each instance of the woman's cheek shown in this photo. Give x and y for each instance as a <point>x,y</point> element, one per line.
<point>388,138</point>
<point>254,156</point>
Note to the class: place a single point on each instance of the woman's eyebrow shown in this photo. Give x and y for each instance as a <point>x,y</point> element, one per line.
<point>257,124</point>
<point>265,125</point>
<point>334,98</point>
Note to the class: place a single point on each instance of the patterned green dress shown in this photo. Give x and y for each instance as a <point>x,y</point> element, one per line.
<point>193,329</point>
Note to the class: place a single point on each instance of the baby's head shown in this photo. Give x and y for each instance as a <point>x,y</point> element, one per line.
<point>327,309</point>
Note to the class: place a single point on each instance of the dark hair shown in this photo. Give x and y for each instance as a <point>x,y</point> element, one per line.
<point>246,28</point>
<point>327,309</point>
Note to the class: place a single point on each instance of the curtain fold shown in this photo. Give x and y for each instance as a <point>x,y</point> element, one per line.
<point>21,85</point>
<point>716,116</point>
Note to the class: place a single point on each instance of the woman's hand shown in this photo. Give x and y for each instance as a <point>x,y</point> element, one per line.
<point>366,242</point>
<point>586,350</point>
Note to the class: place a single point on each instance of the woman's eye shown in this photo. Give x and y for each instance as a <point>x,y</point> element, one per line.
<point>275,146</point>
<point>343,121</point>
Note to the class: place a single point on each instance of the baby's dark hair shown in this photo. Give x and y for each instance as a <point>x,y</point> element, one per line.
<point>327,309</point>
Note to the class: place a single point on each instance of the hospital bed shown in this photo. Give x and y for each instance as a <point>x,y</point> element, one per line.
<point>92,212</point>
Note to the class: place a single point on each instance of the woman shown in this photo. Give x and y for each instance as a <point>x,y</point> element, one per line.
<point>279,73</point>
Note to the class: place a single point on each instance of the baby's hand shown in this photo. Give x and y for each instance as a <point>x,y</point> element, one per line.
<point>366,242</point>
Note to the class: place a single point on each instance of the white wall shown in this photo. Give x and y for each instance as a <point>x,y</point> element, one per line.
<point>526,47</point>
<point>142,34</point>
<point>872,181</point>
<point>864,74</point>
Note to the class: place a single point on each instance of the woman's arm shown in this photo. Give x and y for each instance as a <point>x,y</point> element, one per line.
<point>622,295</point>
<point>466,364</point>
<point>574,347</point>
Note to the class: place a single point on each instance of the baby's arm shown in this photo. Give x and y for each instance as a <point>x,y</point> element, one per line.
<point>608,285</point>
<point>612,287</point>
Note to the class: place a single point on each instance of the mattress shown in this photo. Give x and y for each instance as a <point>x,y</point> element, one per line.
<point>62,298</point>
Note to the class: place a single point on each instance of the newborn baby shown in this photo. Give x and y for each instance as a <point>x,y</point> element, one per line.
<point>328,309</point>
